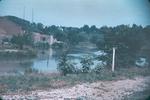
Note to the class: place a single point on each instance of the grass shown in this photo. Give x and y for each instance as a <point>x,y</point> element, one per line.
<point>30,81</point>
<point>20,53</point>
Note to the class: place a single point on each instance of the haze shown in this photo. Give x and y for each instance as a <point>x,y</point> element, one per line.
<point>80,12</point>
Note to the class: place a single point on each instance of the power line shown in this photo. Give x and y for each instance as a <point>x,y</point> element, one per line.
<point>32,15</point>
<point>24,12</point>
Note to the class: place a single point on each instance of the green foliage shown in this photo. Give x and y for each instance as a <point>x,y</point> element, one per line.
<point>86,64</point>
<point>40,27</point>
<point>5,40</point>
<point>42,45</point>
<point>26,25</point>
<point>99,68</point>
<point>21,40</point>
<point>23,82</point>
<point>65,66</point>
<point>21,53</point>
<point>129,40</point>
<point>57,45</point>
<point>26,82</point>
<point>21,22</point>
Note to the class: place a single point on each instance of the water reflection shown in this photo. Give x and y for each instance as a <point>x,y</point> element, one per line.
<point>14,65</point>
<point>46,61</point>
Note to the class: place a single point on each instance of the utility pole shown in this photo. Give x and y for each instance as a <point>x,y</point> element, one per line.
<point>32,16</point>
<point>113,60</point>
<point>24,12</point>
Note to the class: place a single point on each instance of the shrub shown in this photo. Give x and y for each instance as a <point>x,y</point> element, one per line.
<point>65,66</point>
<point>99,67</point>
<point>86,64</point>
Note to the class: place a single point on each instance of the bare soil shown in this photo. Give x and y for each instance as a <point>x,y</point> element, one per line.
<point>8,27</point>
<point>101,90</point>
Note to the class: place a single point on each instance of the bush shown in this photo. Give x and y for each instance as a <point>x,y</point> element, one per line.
<point>86,64</point>
<point>98,68</point>
<point>65,66</point>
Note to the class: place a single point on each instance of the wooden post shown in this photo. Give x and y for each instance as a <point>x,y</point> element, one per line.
<point>113,60</point>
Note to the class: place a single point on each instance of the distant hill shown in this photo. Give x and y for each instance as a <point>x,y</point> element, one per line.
<point>21,22</point>
<point>10,25</point>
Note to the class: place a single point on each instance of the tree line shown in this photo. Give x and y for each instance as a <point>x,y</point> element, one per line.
<point>131,41</point>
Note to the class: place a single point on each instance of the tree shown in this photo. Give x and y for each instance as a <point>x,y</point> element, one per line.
<point>40,27</point>
<point>21,40</point>
<point>127,40</point>
<point>85,28</point>
<point>93,28</point>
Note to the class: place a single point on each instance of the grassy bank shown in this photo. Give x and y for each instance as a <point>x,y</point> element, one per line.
<point>30,81</point>
<point>17,53</point>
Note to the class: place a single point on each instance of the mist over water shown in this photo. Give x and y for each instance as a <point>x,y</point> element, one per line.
<point>80,12</point>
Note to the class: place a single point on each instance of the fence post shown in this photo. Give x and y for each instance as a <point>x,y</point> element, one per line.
<point>113,60</point>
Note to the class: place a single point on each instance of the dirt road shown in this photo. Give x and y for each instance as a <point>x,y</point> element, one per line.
<point>101,90</point>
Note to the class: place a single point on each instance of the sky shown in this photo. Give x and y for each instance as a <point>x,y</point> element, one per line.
<point>77,13</point>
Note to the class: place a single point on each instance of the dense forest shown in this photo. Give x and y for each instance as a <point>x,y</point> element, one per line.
<point>131,41</point>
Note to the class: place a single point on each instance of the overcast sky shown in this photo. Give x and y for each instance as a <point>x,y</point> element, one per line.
<point>80,12</point>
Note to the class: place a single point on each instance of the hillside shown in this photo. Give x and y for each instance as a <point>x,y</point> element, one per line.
<point>9,27</point>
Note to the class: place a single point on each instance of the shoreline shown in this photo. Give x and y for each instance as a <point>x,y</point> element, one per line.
<point>7,53</point>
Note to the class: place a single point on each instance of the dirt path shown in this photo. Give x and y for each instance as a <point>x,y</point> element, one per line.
<point>102,90</point>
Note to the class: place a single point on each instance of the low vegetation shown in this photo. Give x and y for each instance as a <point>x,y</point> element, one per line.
<point>65,66</point>
<point>18,54</point>
<point>32,81</point>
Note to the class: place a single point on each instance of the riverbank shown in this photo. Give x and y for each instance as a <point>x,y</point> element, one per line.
<point>39,86</point>
<point>12,53</point>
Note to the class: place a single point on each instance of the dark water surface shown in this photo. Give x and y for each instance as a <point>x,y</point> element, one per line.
<point>45,62</point>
